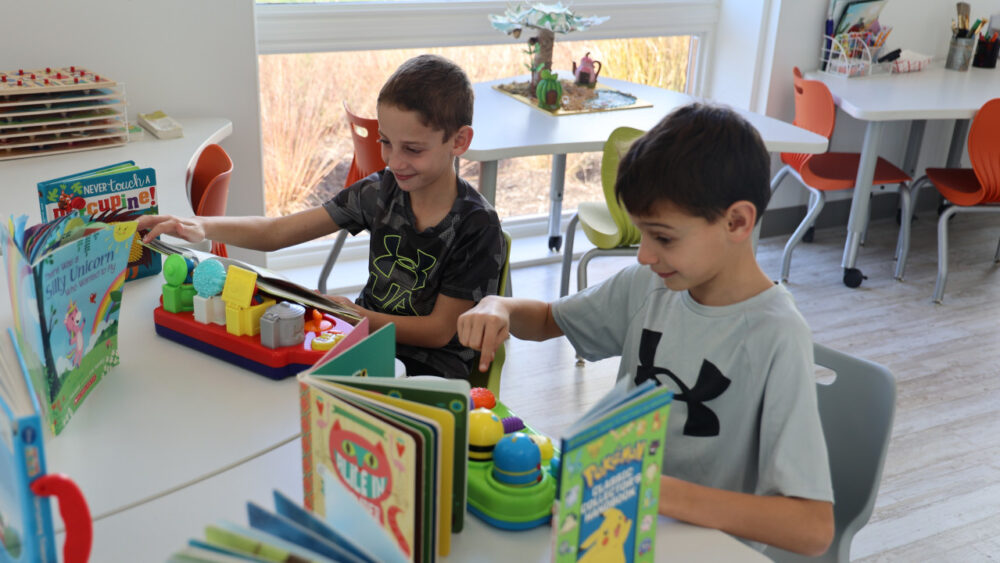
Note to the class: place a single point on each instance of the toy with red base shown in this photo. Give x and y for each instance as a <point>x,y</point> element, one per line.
<point>223,313</point>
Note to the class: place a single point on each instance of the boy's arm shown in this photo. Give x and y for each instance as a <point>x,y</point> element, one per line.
<point>494,319</point>
<point>255,233</point>
<point>427,331</point>
<point>795,524</point>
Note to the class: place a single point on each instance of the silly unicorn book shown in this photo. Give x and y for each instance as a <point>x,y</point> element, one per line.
<point>65,279</point>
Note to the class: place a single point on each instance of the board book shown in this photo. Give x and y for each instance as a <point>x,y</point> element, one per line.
<point>122,191</point>
<point>609,481</point>
<point>26,531</point>
<point>398,445</point>
<point>65,279</point>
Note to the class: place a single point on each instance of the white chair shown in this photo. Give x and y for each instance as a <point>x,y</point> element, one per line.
<point>856,411</point>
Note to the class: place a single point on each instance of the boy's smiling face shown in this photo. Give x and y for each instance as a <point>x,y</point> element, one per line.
<point>418,155</point>
<point>686,251</point>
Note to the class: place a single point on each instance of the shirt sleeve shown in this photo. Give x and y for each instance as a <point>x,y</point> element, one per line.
<point>793,458</point>
<point>476,259</point>
<point>353,208</point>
<point>595,320</point>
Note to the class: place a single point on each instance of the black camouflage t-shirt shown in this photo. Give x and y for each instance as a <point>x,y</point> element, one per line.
<point>460,257</point>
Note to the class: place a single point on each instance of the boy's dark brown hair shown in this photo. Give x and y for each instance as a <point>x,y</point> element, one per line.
<point>434,87</point>
<point>701,158</point>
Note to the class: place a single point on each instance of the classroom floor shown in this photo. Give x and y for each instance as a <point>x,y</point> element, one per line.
<point>940,493</point>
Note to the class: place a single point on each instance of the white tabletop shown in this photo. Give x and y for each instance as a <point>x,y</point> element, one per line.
<point>166,524</point>
<point>506,128</point>
<point>165,416</point>
<point>934,93</point>
<point>170,157</point>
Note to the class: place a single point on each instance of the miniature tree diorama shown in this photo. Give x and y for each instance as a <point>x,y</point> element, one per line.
<point>546,20</point>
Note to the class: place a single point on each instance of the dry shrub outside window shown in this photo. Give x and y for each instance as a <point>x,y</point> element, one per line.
<point>307,146</point>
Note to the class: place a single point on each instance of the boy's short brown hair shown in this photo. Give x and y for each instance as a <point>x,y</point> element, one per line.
<point>701,158</point>
<point>434,87</point>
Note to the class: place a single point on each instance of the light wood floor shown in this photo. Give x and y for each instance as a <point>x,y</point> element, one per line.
<point>940,493</point>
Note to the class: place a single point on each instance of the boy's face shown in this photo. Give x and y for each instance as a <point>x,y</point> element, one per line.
<point>686,251</point>
<point>418,155</point>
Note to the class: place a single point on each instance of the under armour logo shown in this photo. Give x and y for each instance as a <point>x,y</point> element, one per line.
<point>394,298</point>
<point>701,420</point>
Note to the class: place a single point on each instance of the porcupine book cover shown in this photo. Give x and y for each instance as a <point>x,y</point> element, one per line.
<point>117,192</point>
<point>65,280</point>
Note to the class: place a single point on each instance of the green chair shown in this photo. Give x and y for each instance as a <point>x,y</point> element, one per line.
<point>605,223</point>
<point>490,378</point>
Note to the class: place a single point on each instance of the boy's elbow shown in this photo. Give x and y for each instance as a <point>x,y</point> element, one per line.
<point>818,536</point>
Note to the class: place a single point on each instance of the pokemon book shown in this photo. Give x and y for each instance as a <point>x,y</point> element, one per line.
<point>609,482</point>
<point>117,192</point>
<point>65,279</point>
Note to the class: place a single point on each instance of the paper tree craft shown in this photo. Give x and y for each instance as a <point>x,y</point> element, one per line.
<point>547,19</point>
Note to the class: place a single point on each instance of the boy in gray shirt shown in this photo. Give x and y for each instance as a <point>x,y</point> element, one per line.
<point>745,451</point>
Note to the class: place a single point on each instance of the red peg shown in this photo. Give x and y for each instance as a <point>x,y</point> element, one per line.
<point>76,81</point>
<point>48,70</point>
<point>46,80</point>
<point>20,72</point>
<point>72,69</point>
<point>3,78</point>
<point>97,78</point>
<point>19,82</point>
<point>32,76</point>
<point>58,75</point>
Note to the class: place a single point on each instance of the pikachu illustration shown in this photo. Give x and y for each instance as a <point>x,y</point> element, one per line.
<point>607,543</point>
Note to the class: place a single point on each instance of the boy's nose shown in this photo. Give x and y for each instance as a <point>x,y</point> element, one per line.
<point>645,256</point>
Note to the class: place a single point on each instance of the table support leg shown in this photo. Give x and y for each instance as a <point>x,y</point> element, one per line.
<point>488,180</point>
<point>860,202</point>
<point>957,143</point>
<point>555,198</point>
<point>913,144</point>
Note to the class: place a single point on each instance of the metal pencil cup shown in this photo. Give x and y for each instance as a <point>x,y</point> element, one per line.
<point>960,53</point>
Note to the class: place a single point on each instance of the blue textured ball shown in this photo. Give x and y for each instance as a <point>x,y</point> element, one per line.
<point>517,460</point>
<point>209,278</point>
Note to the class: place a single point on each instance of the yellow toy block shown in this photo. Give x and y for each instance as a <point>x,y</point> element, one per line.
<point>239,287</point>
<point>246,320</point>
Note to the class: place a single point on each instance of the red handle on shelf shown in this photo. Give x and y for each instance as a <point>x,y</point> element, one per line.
<point>74,511</point>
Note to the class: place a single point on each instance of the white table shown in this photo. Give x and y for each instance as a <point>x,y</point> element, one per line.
<point>934,93</point>
<point>167,523</point>
<point>507,128</point>
<point>172,159</point>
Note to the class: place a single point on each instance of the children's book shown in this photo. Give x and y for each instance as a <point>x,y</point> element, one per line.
<point>118,192</point>
<point>609,482</point>
<point>65,279</point>
<point>398,445</point>
<point>26,533</point>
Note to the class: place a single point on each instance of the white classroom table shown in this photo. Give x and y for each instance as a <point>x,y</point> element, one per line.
<point>508,128</point>
<point>171,158</point>
<point>934,93</point>
<point>167,523</point>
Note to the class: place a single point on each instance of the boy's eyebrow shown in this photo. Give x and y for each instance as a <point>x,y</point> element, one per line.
<point>403,142</point>
<point>645,223</point>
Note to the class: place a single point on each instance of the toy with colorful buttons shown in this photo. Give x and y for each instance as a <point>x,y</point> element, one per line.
<point>220,311</point>
<point>511,467</point>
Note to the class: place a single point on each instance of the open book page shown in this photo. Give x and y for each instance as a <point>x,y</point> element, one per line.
<point>14,391</point>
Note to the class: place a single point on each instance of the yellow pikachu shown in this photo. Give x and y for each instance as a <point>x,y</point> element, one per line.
<point>607,543</point>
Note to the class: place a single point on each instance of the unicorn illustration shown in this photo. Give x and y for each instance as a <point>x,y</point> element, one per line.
<point>74,325</point>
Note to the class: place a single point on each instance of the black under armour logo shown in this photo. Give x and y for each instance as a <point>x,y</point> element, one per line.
<point>701,420</point>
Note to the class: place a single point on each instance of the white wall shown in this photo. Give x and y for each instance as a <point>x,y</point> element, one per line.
<point>919,25</point>
<point>186,57</point>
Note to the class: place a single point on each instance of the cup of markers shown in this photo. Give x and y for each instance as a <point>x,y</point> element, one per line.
<point>987,50</point>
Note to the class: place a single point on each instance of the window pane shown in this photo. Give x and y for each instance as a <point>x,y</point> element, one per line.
<point>307,146</point>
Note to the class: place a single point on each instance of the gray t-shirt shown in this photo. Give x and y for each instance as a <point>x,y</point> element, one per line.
<point>460,257</point>
<point>744,416</point>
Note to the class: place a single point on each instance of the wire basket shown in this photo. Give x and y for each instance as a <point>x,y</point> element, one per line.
<point>854,54</point>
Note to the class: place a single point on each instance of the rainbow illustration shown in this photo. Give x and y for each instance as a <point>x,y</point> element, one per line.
<point>105,305</point>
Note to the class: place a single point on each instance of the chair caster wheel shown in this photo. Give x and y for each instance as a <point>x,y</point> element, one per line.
<point>810,235</point>
<point>579,362</point>
<point>555,242</point>
<point>853,277</point>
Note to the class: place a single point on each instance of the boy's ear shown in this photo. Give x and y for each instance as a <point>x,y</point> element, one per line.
<point>461,140</point>
<point>741,218</point>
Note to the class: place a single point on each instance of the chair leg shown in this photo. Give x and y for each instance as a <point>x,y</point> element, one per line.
<point>816,202</point>
<point>775,182</point>
<point>942,273</point>
<point>567,257</point>
<point>908,202</point>
<point>996,257</point>
<point>330,259</point>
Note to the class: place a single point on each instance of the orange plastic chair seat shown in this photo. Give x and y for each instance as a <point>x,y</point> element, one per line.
<point>958,185</point>
<point>833,171</point>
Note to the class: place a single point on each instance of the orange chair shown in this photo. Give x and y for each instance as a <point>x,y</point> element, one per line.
<point>816,111</point>
<point>970,190</point>
<point>367,160</point>
<point>210,186</point>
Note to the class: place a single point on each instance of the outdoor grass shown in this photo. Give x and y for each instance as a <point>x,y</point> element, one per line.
<point>307,147</point>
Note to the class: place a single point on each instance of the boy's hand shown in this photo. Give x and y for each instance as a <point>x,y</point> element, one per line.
<point>484,328</point>
<point>189,228</point>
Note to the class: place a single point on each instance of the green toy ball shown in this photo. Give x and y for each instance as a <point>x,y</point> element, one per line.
<point>175,269</point>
